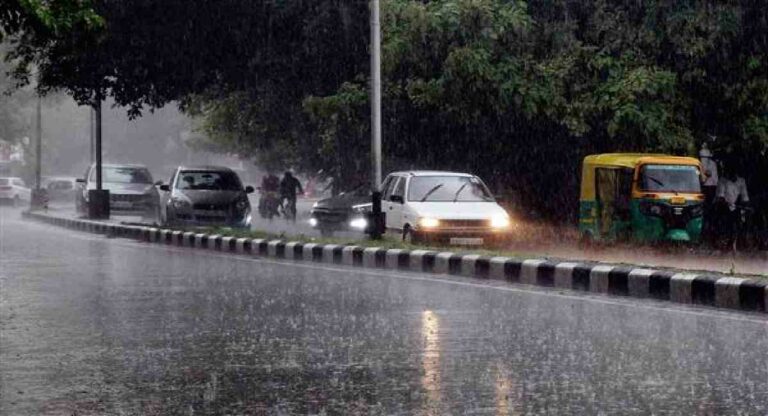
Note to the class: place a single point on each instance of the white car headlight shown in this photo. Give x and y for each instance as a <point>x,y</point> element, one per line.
<point>500,221</point>
<point>428,222</point>
<point>241,205</point>
<point>359,223</point>
<point>180,203</point>
<point>313,222</point>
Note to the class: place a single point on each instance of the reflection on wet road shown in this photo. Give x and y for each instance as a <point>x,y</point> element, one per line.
<point>90,325</point>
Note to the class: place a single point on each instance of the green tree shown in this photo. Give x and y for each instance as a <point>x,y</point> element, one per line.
<point>518,91</point>
<point>45,18</point>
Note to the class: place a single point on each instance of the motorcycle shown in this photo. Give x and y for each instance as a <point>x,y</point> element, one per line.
<point>269,204</point>
<point>739,232</point>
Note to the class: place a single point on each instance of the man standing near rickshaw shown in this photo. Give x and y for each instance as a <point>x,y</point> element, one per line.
<point>733,198</point>
<point>709,189</point>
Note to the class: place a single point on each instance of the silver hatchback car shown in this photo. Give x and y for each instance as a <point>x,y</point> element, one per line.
<point>205,196</point>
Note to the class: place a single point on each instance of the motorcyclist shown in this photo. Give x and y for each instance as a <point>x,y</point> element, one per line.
<point>268,203</point>
<point>270,183</point>
<point>289,188</point>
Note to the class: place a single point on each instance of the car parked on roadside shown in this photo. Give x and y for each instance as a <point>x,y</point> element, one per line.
<point>456,207</point>
<point>205,196</point>
<point>60,188</point>
<point>14,191</point>
<point>131,189</point>
<point>344,212</point>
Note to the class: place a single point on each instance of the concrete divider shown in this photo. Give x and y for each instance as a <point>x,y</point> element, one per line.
<point>716,291</point>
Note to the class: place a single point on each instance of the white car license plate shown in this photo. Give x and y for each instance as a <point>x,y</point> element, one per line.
<point>464,241</point>
<point>122,204</point>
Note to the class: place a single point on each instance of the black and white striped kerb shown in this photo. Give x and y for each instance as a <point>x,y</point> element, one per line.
<point>716,291</point>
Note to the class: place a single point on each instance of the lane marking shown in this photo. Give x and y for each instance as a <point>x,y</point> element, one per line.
<point>415,276</point>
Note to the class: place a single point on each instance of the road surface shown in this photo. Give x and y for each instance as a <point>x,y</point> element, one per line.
<point>92,325</point>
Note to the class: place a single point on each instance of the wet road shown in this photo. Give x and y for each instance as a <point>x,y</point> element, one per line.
<point>90,325</point>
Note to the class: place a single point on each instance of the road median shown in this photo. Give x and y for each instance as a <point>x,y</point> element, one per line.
<point>727,292</point>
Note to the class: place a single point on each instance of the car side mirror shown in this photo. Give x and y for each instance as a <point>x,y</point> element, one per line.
<point>165,188</point>
<point>249,189</point>
<point>396,198</point>
<point>80,180</point>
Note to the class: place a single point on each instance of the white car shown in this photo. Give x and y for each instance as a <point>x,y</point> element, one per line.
<point>14,190</point>
<point>131,189</point>
<point>453,206</point>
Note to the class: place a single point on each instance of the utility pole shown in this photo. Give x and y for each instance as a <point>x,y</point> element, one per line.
<point>39,198</point>
<point>377,218</point>
<point>39,144</point>
<point>97,113</point>
<point>98,199</point>
<point>91,127</point>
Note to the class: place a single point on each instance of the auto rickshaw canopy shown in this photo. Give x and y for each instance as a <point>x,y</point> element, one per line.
<point>624,160</point>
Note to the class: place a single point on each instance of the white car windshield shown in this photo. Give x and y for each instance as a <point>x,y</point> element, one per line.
<point>448,189</point>
<point>124,174</point>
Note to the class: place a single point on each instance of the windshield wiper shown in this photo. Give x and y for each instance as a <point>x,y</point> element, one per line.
<point>658,182</point>
<point>461,188</point>
<point>662,185</point>
<point>431,191</point>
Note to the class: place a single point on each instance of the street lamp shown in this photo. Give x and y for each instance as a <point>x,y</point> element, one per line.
<point>38,199</point>
<point>377,216</point>
<point>98,199</point>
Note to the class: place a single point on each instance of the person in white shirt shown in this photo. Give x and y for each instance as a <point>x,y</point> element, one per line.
<point>732,189</point>
<point>709,172</point>
<point>731,192</point>
<point>709,182</point>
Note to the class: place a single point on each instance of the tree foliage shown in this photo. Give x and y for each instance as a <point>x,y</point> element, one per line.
<point>45,18</point>
<point>518,91</point>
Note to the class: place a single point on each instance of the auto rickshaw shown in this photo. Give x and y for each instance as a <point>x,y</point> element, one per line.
<point>641,197</point>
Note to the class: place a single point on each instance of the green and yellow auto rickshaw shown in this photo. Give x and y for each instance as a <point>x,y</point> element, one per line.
<point>642,197</point>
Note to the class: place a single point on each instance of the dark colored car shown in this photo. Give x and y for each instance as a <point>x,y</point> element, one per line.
<point>343,212</point>
<point>131,189</point>
<point>205,196</point>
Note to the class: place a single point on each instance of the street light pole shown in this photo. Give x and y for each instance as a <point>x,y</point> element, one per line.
<point>91,127</point>
<point>97,117</point>
<point>98,199</point>
<point>39,144</point>
<point>38,198</point>
<point>375,93</point>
